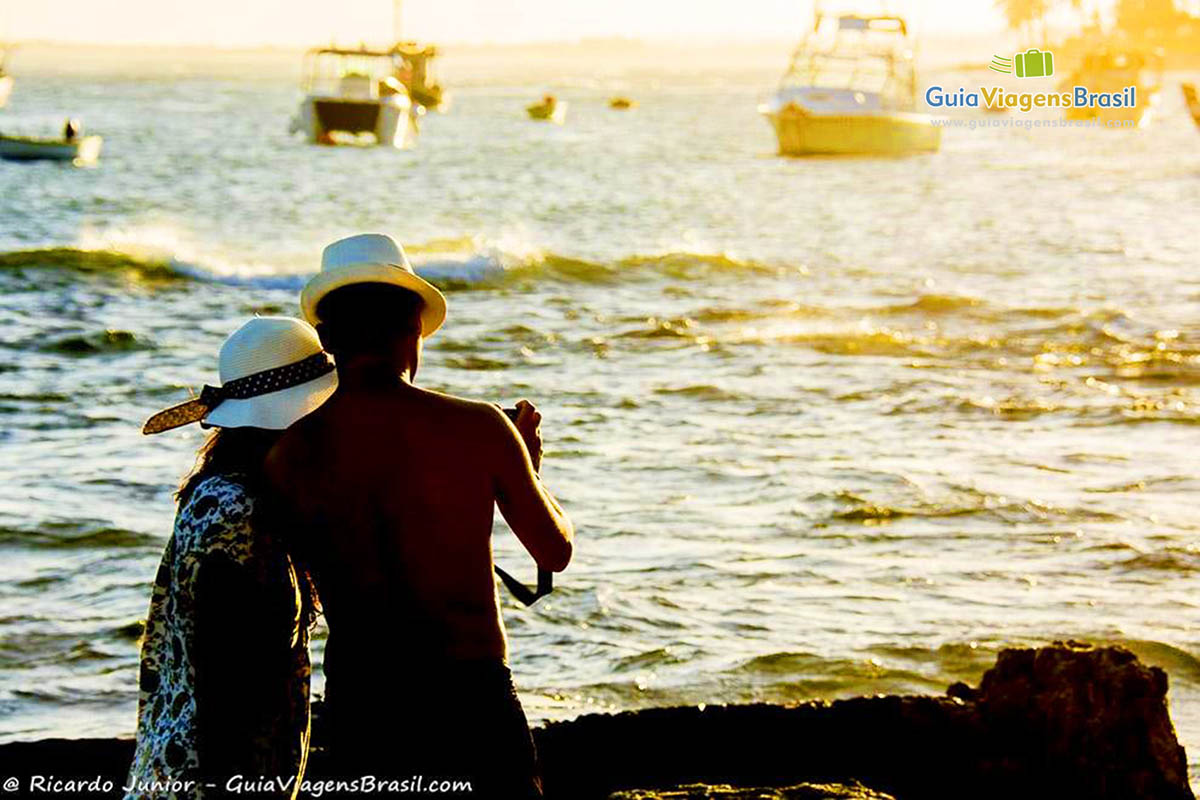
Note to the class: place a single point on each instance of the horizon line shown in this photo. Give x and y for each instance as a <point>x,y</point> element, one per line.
<point>611,40</point>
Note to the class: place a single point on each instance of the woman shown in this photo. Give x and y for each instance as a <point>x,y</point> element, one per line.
<point>225,668</point>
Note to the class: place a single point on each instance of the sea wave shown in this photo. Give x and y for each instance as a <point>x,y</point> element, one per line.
<point>109,340</point>
<point>445,263</point>
<point>75,535</point>
<point>90,262</point>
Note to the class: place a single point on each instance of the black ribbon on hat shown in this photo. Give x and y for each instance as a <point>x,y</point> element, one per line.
<point>254,385</point>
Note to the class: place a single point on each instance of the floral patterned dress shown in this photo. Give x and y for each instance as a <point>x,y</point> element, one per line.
<point>215,523</point>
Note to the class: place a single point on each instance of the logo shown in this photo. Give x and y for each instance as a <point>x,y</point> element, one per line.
<point>1033,63</point>
<point>995,97</point>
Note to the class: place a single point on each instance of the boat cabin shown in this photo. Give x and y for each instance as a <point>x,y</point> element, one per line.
<point>854,62</point>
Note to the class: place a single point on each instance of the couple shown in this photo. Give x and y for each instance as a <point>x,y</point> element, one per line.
<point>351,491</point>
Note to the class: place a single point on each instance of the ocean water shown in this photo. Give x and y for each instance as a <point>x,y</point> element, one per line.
<point>826,427</point>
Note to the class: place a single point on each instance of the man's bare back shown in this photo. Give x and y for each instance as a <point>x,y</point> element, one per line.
<point>393,488</point>
<point>387,493</point>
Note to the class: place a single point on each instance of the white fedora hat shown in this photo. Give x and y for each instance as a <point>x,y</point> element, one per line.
<point>371,258</point>
<point>273,372</point>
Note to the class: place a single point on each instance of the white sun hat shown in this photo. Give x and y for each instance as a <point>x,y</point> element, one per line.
<point>371,258</point>
<point>273,373</point>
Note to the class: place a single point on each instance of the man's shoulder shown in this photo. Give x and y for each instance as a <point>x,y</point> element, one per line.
<point>463,407</point>
<point>294,450</point>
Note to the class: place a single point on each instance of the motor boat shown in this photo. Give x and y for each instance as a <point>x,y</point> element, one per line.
<point>412,65</point>
<point>1193,102</point>
<point>414,69</point>
<point>356,96</point>
<point>622,103</point>
<point>80,151</point>
<point>548,109</point>
<point>1112,70</point>
<point>850,89</point>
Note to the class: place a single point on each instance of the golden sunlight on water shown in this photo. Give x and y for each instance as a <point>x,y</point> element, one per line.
<point>828,426</point>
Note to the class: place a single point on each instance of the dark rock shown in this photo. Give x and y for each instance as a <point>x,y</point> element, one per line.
<point>1065,721</point>
<point>1098,715</point>
<point>921,745</point>
<point>803,791</point>
<point>962,691</point>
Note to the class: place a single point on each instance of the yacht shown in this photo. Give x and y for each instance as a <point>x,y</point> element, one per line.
<point>356,96</point>
<point>851,89</point>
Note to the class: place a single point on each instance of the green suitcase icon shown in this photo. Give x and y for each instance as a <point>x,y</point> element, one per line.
<point>1033,63</point>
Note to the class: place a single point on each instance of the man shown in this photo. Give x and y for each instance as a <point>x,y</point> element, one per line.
<point>391,489</point>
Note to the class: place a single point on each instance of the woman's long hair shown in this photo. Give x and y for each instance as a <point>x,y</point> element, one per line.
<point>243,452</point>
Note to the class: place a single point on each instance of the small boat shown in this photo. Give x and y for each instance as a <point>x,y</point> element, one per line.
<point>414,69</point>
<point>356,96</point>
<point>1109,70</point>
<point>622,103</point>
<point>6,81</point>
<point>550,109</point>
<point>1193,102</point>
<point>850,89</point>
<point>81,150</point>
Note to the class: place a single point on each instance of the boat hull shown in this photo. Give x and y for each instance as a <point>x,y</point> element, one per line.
<point>1133,117</point>
<point>432,97</point>
<point>544,113</point>
<point>326,120</point>
<point>1193,102</point>
<point>804,133</point>
<point>82,151</point>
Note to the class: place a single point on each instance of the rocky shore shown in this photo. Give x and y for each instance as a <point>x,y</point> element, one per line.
<point>1063,721</point>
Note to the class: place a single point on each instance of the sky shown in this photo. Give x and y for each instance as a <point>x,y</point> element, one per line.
<point>308,22</point>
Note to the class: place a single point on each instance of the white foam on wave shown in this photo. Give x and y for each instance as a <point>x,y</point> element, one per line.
<point>478,263</point>
<point>470,269</point>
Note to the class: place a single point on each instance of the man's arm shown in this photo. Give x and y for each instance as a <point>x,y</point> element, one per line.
<point>527,505</point>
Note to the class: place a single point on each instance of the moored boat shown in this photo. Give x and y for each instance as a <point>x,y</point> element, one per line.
<point>1109,70</point>
<point>549,109</point>
<point>1193,102</point>
<point>356,96</point>
<point>414,68</point>
<point>81,150</point>
<point>850,89</point>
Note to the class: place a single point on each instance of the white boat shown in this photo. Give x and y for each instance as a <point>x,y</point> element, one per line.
<point>850,89</point>
<point>356,96</point>
<point>83,150</point>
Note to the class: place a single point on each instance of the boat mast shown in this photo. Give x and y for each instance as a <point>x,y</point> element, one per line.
<point>397,20</point>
